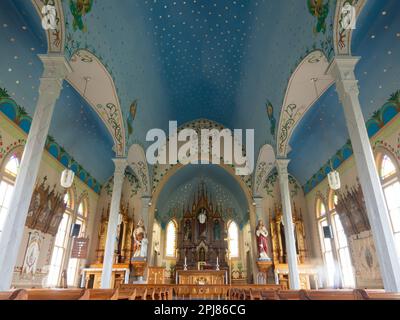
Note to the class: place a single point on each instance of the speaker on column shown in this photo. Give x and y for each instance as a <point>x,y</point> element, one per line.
<point>76,229</point>
<point>327,232</point>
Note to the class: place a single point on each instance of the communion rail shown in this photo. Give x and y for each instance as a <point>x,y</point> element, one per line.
<point>184,292</point>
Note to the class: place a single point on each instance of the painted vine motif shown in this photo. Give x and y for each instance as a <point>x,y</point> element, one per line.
<point>273,177</point>
<point>110,112</point>
<point>291,113</point>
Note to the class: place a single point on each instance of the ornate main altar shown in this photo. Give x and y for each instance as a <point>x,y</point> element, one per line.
<point>201,239</point>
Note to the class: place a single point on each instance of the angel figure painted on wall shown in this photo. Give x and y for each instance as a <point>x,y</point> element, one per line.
<point>271,117</point>
<point>131,116</point>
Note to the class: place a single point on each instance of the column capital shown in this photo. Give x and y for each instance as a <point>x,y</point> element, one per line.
<point>120,166</point>
<point>342,70</point>
<point>257,200</point>
<point>146,201</point>
<point>282,165</point>
<point>55,66</point>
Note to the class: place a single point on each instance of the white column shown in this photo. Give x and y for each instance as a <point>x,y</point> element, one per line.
<point>148,225</point>
<point>55,70</point>
<point>342,68</point>
<point>119,174</point>
<point>294,279</point>
<point>146,203</point>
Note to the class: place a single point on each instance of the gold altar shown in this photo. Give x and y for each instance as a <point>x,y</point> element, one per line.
<point>308,273</point>
<point>201,277</point>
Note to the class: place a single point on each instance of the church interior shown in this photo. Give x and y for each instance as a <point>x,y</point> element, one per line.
<point>84,213</point>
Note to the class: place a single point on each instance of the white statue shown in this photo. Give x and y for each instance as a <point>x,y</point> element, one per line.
<point>140,241</point>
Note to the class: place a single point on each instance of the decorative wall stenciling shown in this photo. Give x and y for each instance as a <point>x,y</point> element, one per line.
<point>32,253</point>
<point>46,209</point>
<point>20,117</point>
<point>365,261</point>
<point>55,38</point>
<point>159,171</point>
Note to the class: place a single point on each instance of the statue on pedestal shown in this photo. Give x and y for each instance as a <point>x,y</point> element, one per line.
<point>262,243</point>
<point>139,241</point>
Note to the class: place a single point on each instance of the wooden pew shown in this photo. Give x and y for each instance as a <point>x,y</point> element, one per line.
<point>100,294</point>
<point>13,295</point>
<point>362,294</point>
<point>327,295</point>
<point>269,295</point>
<point>288,294</point>
<point>48,294</point>
<point>138,294</point>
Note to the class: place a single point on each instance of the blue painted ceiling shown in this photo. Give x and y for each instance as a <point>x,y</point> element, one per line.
<point>75,126</point>
<point>323,130</point>
<point>189,59</point>
<point>223,189</point>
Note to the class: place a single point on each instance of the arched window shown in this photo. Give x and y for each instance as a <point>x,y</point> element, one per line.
<point>233,237</point>
<point>7,180</point>
<point>61,243</point>
<point>390,178</point>
<point>170,241</point>
<point>341,244</point>
<point>326,243</point>
<point>73,265</point>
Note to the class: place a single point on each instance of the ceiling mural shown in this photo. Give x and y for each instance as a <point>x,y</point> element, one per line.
<point>224,191</point>
<point>322,133</point>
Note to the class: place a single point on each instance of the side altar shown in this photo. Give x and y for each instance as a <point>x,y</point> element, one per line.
<point>308,272</point>
<point>130,252</point>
